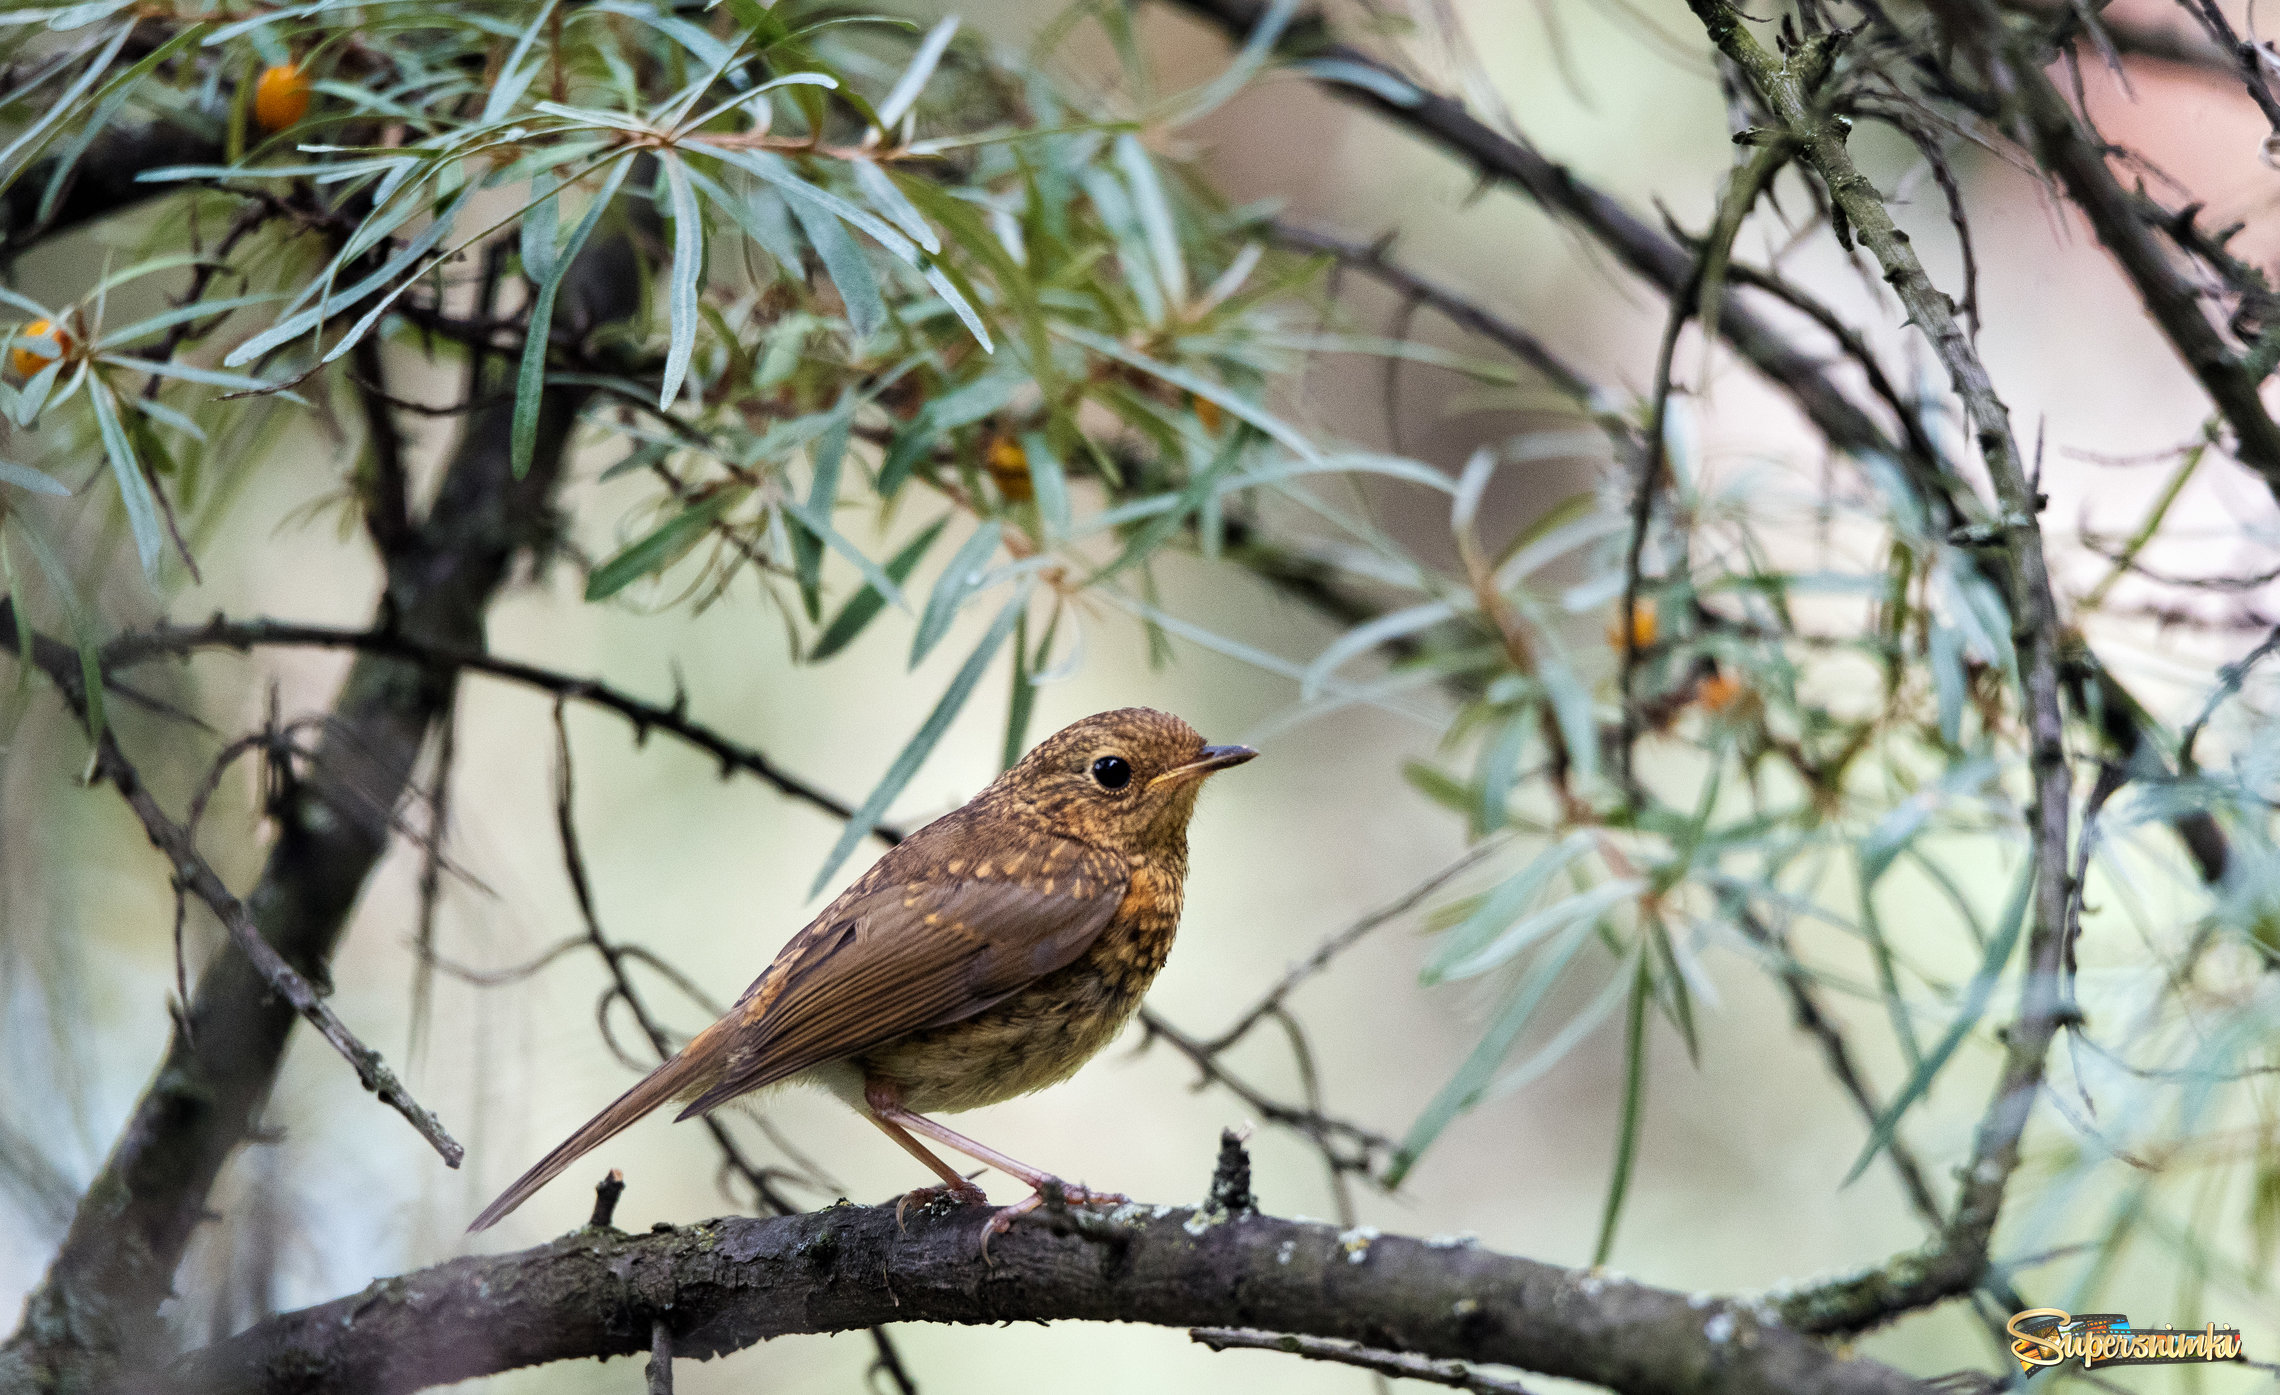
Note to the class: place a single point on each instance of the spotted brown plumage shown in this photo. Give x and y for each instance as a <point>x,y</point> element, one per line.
<point>988,955</point>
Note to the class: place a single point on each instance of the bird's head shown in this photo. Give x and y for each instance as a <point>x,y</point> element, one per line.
<point>1125,780</point>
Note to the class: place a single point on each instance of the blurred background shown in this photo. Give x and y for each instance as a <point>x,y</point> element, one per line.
<point>1738,1183</point>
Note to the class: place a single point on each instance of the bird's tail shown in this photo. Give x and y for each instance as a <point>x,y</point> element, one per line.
<point>685,1073</point>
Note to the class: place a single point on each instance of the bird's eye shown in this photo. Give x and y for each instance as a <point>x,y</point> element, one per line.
<point>1113,772</point>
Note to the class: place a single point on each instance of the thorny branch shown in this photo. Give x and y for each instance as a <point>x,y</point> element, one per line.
<point>614,957</point>
<point>673,719</point>
<point>194,875</point>
<point>2079,158</point>
<point>1789,88</point>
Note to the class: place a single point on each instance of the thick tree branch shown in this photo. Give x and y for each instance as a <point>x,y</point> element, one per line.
<point>727,1284</point>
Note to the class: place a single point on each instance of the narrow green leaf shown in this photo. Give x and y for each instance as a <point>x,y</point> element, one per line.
<point>1248,63</point>
<point>18,156</point>
<point>181,314</point>
<point>191,373</point>
<point>807,566</point>
<point>1500,771</point>
<point>1634,1100</point>
<point>847,267</point>
<point>688,270</point>
<point>134,490</point>
<point>530,379</point>
<point>1049,482</point>
<point>1571,708</point>
<point>541,225</point>
<point>957,585</point>
<point>922,744</point>
<point>1585,907</point>
<point>37,481</point>
<point>1154,211</point>
<point>1975,999</point>
<point>1196,383</point>
<point>1472,1079</point>
<point>1021,697</point>
<point>865,605</point>
<point>1369,635</point>
<point>23,627</point>
<point>660,548</point>
<point>893,204</point>
<point>799,192</point>
<point>514,76</point>
<point>819,523</point>
<point>913,80</point>
<point>75,614</point>
<point>295,325</point>
<point>34,394</point>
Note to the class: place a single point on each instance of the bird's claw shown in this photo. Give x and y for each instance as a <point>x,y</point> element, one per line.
<point>966,1194</point>
<point>1072,1194</point>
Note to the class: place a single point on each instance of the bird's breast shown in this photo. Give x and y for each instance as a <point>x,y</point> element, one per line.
<point>1042,1033</point>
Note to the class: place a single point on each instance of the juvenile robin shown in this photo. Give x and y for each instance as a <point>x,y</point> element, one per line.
<point>988,955</point>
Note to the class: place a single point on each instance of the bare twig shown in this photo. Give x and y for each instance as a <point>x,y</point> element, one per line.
<point>2229,680</point>
<point>2079,158</point>
<point>614,957</point>
<point>195,875</point>
<point>1345,1146</point>
<point>220,633</point>
<point>1376,261</point>
<point>1340,942</point>
<point>1458,1375</point>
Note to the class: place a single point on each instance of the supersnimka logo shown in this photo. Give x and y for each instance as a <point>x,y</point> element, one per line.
<point>2048,1336</point>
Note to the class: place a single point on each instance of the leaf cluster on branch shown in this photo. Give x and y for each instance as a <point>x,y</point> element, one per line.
<point>867,324</point>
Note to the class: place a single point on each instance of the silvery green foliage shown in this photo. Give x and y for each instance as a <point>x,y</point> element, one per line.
<point>919,311</point>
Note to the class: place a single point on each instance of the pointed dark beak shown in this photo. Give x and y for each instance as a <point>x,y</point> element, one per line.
<point>1213,758</point>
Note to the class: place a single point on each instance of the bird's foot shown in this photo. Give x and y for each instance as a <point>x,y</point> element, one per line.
<point>1071,1194</point>
<point>964,1194</point>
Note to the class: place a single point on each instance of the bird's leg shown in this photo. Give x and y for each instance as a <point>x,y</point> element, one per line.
<point>953,1186</point>
<point>888,1112</point>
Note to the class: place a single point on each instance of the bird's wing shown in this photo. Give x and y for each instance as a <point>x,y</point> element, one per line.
<point>901,955</point>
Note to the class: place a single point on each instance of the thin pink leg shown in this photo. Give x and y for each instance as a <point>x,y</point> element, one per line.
<point>888,1113</point>
<point>953,1185</point>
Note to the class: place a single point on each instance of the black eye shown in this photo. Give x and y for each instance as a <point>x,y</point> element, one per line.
<point>1113,772</point>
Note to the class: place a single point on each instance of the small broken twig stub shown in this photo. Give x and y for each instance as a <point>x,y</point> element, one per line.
<point>1231,1178</point>
<point>606,1194</point>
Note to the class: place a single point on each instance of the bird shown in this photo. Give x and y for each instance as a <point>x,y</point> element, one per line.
<point>986,956</point>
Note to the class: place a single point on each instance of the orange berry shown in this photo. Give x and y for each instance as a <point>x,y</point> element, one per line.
<point>280,96</point>
<point>1642,626</point>
<point>1719,691</point>
<point>1009,466</point>
<point>27,360</point>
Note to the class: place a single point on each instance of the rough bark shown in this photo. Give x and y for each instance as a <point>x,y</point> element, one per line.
<point>727,1284</point>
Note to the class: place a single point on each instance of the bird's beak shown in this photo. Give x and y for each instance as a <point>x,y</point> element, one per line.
<point>1213,758</point>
